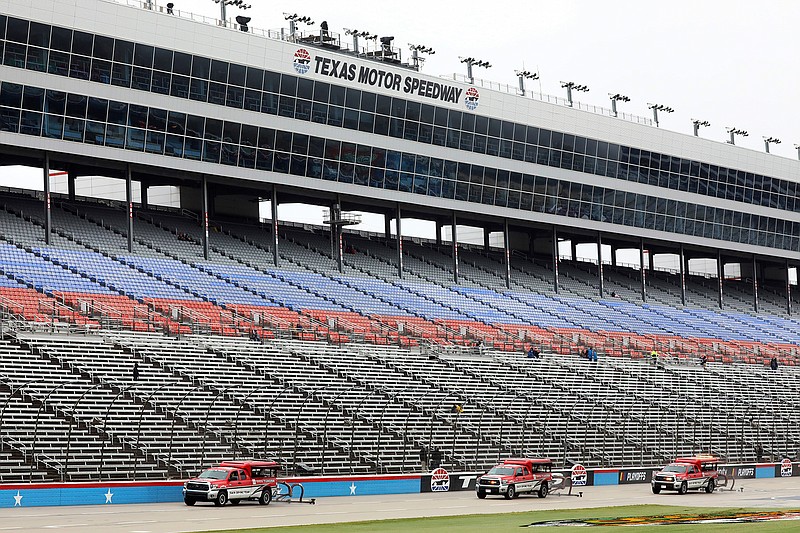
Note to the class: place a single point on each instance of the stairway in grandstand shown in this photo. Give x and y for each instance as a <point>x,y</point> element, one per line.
<point>354,371</point>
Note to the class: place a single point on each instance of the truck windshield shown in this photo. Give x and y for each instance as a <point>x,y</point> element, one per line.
<point>213,474</point>
<point>675,468</point>
<point>501,471</point>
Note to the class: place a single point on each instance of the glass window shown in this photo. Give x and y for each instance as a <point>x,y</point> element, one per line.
<point>39,35</point>
<point>55,102</point>
<point>219,71</point>
<point>76,105</point>
<point>201,67</point>
<point>272,81</point>
<point>17,30</point>
<point>157,119</point>
<point>162,60</point>
<point>255,78</point>
<point>123,52</point>
<point>137,115</point>
<point>289,85</point>
<point>97,109</point>
<point>305,88</point>
<point>82,43</point>
<point>117,113</point>
<point>182,63</point>
<point>236,74</point>
<point>37,59</point>
<point>33,99</point>
<point>176,123</point>
<point>321,92</point>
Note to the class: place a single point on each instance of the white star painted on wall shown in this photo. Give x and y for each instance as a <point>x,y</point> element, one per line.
<point>18,499</point>
<point>352,489</point>
<point>109,495</point>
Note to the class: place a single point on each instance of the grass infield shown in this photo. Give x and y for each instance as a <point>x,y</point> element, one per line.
<point>496,523</point>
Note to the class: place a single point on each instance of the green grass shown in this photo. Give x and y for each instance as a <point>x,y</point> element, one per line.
<point>496,523</point>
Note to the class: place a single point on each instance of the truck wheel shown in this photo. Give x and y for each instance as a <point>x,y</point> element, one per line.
<point>481,494</point>
<point>710,486</point>
<point>189,501</point>
<point>656,490</point>
<point>543,490</point>
<point>266,496</point>
<point>234,502</point>
<point>511,492</point>
<point>222,498</point>
<point>684,488</point>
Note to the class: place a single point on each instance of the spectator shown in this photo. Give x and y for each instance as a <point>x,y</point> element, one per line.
<point>170,7</point>
<point>423,456</point>
<point>136,371</point>
<point>773,364</point>
<point>593,353</point>
<point>323,29</point>
<point>654,357</point>
<point>703,360</point>
<point>533,353</point>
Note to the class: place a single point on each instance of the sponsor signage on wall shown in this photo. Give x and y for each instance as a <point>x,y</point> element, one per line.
<point>442,481</point>
<point>341,69</point>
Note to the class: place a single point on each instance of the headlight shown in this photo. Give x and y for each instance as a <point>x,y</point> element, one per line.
<point>670,479</point>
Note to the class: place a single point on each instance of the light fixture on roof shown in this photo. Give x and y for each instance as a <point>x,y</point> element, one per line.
<point>736,131</point>
<point>770,140</point>
<point>470,61</point>
<point>797,147</point>
<point>572,86</point>
<point>224,3</point>
<point>659,107</point>
<point>295,19</point>
<point>617,97</point>
<point>359,35</point>
<point>523,75</point>
<point>697,123</point>
<point>417,49</point>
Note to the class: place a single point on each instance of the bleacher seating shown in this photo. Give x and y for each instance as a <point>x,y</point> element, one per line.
<point>355,371</point>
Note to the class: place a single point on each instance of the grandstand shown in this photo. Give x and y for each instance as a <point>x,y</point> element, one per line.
<point>338,351</point>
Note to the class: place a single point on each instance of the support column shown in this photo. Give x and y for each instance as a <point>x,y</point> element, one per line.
<point>720,273</point>
<point>438,233</point>
<point>574,246</point>
<point>46,172</point>
<point>204,194</point>
<point>486,241</point>
<point>387,228</point>
<point>507,251</point>
<point>600,262</point>
<point>455,249</point>
<point>399,226</point>
<point>144,186</point>
<point>613,256</point>
<point>788,291</point>
<point>555,260</point>
<point>683,277</point>
<point>70,185</point>
<point>643,270</point>
<point>274,206</point>
<point>755,285</point>
<point>339,238</point>
<point>129,199</point>
<point>531,244</point>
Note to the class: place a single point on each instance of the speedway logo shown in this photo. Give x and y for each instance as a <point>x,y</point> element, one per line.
<point>302,61</point>
<point>440,480</point>
<point>786,468</point>
<point>578,475</point>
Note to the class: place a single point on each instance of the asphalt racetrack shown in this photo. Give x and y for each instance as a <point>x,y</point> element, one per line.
<point>176,517</point>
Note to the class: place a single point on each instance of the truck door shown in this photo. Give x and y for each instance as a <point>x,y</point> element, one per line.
<point>695,477</point>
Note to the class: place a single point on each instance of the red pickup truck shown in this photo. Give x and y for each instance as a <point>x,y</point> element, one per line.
<point>233,481</point>
<point>516,476</point>
<point>685,473</point>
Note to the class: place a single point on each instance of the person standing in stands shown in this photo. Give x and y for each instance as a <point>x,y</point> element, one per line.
<point>136,371</point>
<point>773,364</point>
<point>654,356</point>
